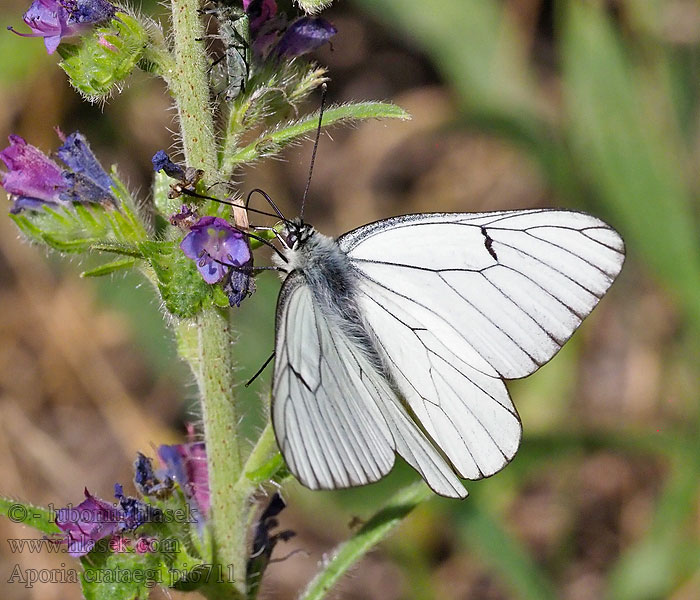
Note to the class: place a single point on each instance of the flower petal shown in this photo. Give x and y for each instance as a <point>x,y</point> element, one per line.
<point>32,177</point>
<point>79,158</point>
<point>55,20</point>
<point>304,35</point>
<point>187,464</point>
<point>87,523</point>
<point>259,12</point>
<point>215,246</point>
<point>161,162</point>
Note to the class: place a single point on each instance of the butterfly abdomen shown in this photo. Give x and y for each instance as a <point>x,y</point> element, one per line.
<point>333,284</point>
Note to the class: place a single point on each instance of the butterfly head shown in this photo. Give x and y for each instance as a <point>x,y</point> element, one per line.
<point>296,233</point>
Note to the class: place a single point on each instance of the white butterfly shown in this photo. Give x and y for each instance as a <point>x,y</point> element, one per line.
<point>396,338</point>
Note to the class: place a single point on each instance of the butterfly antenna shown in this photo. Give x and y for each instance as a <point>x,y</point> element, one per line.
<point>193,194</point>
<point>269,201</point>
<point>260,370</point>
<point>324,89</point>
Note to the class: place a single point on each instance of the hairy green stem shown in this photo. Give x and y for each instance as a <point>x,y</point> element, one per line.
<point>234,131</point>
<point>189,84</point>
<point>158,54</point>
<point>208,351</point>
<point>206,345</point>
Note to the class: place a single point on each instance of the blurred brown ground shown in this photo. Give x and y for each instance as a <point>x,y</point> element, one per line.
<point>77,399</point>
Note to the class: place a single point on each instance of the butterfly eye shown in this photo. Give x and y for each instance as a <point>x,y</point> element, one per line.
<point>292,239</point>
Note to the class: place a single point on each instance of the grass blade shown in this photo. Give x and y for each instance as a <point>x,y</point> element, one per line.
<point>370,534</point>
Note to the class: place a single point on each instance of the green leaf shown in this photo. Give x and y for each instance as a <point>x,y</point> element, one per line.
<point>109,268</point>
<point>37,517</point>
<point>85,227</point>
<point>628,146</point>
<point>117,248</point>
<point>273,91</point>
<point>161,189</point>
<point>271,142</point>
<point>267,471</point>
<point>104,59</point>
<point>370,534</point>
<point>181,286</point>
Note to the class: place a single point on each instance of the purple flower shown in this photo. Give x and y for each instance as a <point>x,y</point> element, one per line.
<point>147,481</point>
<point>303,36</point>
<point>87,523</point>
<point>259,12</point>
<point>78,157</point>
<point>272,39</point>
<point>187,465</point>
<point>216,246</point>
<point>161,162</point>
<point>94,519</point>
<point>33,179</point>
<point>134,513</point>
<point>55,20</point>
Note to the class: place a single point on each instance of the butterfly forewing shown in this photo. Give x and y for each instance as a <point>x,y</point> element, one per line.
<point>459,301</point>
<point>515,292</point>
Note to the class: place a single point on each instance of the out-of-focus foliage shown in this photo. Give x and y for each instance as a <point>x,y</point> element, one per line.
<point>604,101</point>
<point>624,144</point>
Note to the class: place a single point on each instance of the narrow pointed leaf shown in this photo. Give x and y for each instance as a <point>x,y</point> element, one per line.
<point>37,517</point>
<point>109,268</point>
<point>369,535</point>
<point>273,141</point>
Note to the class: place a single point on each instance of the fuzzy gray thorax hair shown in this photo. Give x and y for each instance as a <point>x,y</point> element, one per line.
<point>333,283</point>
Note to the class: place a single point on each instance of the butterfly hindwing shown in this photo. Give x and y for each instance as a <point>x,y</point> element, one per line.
<point>327,423</point>
<point>337,420</point>
<point>464,408</point>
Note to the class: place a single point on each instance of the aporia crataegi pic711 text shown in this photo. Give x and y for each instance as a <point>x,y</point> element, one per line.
<point>396,338</point>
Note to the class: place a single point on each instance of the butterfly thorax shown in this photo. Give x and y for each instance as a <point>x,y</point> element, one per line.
<point>325,266</point>
<point>332,281</point>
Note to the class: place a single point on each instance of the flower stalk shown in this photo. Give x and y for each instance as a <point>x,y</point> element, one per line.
<point>189,84</point>
<point>206,346</point>
<point>199,262</point>
<point>211,361</point>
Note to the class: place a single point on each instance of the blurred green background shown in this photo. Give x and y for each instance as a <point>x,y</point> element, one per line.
<point>590,105</point>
